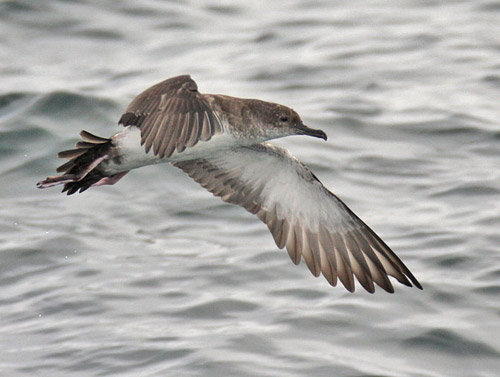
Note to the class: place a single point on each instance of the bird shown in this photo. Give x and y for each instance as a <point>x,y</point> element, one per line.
<point>222,143</point>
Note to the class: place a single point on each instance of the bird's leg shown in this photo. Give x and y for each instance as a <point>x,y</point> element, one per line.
<point>111,180</point>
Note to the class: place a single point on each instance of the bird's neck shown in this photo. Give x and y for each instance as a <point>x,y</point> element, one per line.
<point>239,118</point>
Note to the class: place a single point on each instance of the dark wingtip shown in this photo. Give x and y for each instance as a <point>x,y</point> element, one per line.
<point>413,282</point>
<point>418,285</point>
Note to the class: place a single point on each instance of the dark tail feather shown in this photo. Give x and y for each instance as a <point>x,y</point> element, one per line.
<point>80,171</point>
<point>87,136</point>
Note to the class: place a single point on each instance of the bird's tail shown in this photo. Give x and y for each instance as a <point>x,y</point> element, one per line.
<point>81,171</point>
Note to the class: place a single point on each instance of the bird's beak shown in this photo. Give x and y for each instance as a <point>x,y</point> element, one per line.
<point>304,130</point>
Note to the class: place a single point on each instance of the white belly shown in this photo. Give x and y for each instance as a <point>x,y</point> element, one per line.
<point>133,155</point>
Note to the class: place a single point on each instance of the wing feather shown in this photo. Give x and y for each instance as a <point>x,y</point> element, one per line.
<point>292,247</point>
<point>301,214</point>
<point>194,130</point>
<point>172,115</point>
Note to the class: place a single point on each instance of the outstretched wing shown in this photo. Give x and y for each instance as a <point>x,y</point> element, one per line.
<point>172,115</point>
<point>301,214</point>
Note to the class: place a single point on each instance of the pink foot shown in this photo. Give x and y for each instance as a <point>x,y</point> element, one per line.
<point>111,180</point>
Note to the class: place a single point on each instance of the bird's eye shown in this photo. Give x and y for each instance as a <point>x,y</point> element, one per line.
<point>284,119</point>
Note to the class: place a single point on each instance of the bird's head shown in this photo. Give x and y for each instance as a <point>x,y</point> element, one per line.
<point>288,122</point>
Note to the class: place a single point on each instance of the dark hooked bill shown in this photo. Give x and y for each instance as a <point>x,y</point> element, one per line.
<point>304,130</point>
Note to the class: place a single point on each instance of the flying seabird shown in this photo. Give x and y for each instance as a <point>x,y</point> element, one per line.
<point>221,142</point>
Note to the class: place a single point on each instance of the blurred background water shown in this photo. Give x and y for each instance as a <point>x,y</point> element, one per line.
<point>155,277</point>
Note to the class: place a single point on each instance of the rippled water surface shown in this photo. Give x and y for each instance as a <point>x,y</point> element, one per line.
<point>155,277</point>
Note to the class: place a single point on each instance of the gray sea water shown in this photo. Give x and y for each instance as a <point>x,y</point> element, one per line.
<point>155,277</point>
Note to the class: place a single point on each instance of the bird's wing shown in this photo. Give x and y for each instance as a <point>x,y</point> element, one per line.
<point>301,214</point>
<point>172,115</point>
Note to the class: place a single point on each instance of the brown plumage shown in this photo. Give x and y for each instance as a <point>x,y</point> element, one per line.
<point>172,115</point>
<point>170,120</point>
